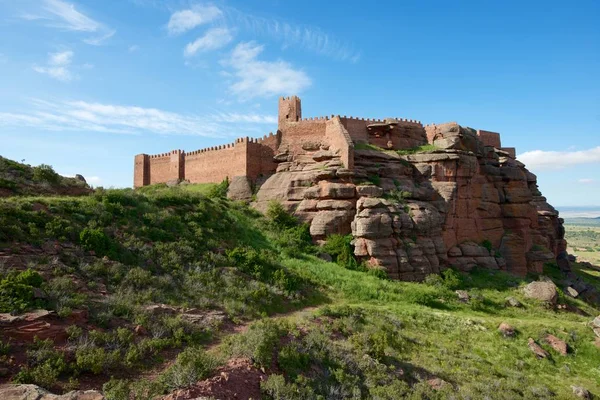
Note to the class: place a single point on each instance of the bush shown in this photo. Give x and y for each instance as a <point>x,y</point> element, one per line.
<point>259,343</point>
<point>341,250</point>
<point>292,359</point>
<point>94,239</point>
<point>45,173</point>
<point>220,190</point>
<point>16,291</point>
<point>192,364</point>
<point>279,217</point>
<point>276,388</point>
<point>44,365</point>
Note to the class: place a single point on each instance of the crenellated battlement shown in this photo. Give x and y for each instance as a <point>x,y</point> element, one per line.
<point>253,157</point>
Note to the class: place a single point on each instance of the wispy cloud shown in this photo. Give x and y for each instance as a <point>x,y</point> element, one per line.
<point>256,78</point>
<point>58,66</point>
<point>133,48</point>
<point>586,181</point>
<point>184,20</point>
<point>82,116</point>
<point>548,160</point>
<point>213,39</point>
<point>305,37</point>
<point>65,16</point>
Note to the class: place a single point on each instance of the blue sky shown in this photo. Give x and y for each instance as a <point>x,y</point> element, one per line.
<point>85,85</point>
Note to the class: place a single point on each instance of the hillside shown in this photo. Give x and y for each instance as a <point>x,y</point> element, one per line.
<point>171,292</point>
<point>22,179</point>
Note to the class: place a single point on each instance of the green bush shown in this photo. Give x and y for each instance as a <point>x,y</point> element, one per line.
<point>259,343</point>
<point>44,365</point>
<point>16,291</point>
<point>279,217</point>
<point>94,239</point>
<point>192,364</point>
<point>292,359</point>
<point>220,190</point>
<point>340,248</point>
<point>45,173</point>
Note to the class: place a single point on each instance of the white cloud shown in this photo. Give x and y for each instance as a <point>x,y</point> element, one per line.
<point>63,15</point>
<point>185,20</point>
<point>256,78</point>
<point>133,48</point>
<point>213,39</point>
<point>108,118</point>
<point>586,181</point>
<point>61,58</point>
<point>58,66</point>
<point>94,180</point>
<point>309,38</point>
<point>540,160</point>
<point>99,40</point>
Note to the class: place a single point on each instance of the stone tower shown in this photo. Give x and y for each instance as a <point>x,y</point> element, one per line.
<point>290,109</point>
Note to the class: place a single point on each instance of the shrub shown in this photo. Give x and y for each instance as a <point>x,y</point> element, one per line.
<point>16,291</point>
<point>220,190</point>
<point>341,250</point>
<point>44,365</point>
<point>279,217</point>
<point>192,364</point>
<point>259,343</point>
<point>94,239</point>
<point>45,173</point>
<point>292,359</point>
<point>276,388</point>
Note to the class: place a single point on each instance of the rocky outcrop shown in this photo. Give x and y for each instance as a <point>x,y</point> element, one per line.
<point>461,204</point>
<point>33,392</point>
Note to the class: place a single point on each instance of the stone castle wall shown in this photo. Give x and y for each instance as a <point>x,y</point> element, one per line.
<point>295,137</point>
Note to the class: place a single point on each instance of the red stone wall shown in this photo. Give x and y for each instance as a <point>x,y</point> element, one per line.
<point>295,134</point>
<point>141,170</point>
<point>214,164</point>
<point>489,138</point>
<point>407,134</point>
<point>340,141</point>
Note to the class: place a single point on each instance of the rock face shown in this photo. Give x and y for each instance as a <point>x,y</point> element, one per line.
<point>33,392</point>
<point>462,204</point>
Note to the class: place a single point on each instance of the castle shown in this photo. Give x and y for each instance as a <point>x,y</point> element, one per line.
<point>416,199</point>
<point>254,158</point>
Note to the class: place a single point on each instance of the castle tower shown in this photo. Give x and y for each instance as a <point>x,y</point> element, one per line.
<point>290,109</point>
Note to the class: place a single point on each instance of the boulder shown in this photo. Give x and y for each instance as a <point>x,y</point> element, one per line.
<point>581,392</point>
<point>542,291</point>
<point>463,296</point>
<point>536,349</point>
<point>239,189</point>
<point>557,344</point>
<point>506,330</point>
<point>34,392</point>
<point>513,302</point>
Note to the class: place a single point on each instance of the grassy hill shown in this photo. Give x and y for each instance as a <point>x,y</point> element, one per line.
<point>22,179</point>
<point>163,289</point>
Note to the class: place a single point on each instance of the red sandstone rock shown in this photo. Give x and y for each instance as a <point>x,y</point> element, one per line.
<point>467,191</point>
<point>557,344</point>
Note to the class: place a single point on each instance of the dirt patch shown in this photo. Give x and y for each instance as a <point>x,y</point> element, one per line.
<point>238,380</point>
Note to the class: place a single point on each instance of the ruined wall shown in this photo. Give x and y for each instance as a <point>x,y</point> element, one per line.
<point>489,138</point>
<point>340,142</point>
<point>407,133</point>
<point>296,134</point>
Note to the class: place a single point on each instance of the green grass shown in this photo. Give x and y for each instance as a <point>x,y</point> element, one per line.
<point>419,149</point>
<point>367,338</point>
